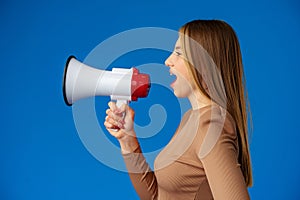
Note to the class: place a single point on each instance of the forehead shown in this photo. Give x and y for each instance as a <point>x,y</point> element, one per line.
<point>177,44</point>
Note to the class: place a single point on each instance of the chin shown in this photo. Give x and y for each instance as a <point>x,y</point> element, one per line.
<point>179,94</point>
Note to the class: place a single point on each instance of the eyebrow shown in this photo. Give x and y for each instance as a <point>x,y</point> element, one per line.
<point>177,47</point>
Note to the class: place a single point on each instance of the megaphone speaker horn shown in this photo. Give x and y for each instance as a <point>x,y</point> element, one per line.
<point>64,80</point>
<point>82,81</point>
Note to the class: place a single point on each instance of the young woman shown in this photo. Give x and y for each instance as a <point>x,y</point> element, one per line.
<point>208,156</point>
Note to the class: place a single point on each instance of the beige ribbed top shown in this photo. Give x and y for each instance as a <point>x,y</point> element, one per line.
<point>200,161</point>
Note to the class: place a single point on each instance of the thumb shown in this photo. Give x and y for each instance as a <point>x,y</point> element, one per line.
<point>129,112</point>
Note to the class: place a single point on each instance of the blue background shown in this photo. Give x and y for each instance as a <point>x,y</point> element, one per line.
<point>41,154</point>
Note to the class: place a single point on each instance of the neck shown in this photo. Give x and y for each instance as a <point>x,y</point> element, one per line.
<point>198,100</point>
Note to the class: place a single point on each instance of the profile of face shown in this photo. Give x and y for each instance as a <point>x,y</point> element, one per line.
<point>183,84</point>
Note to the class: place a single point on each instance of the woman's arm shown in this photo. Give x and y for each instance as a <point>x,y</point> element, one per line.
<point>142,177</point>
<point>220,163</point>
<point>224,174</point>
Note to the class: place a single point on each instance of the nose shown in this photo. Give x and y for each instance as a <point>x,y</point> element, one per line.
<point>168,61</point>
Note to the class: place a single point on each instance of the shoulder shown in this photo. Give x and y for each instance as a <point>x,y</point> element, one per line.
<point>218,117</point>
<point>216,126</point>
<point>185,118</point>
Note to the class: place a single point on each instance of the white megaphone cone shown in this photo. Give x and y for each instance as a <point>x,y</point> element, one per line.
<point>123,85</point>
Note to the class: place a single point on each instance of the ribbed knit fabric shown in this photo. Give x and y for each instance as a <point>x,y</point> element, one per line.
<point>200,161</point>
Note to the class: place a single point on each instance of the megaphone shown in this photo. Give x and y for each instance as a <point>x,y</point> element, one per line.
<point>122,85</point>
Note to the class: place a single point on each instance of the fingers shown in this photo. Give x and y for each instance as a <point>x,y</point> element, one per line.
<point>112,106</point>
<point>115,117</point>
<point>111,123</point>
<point>115,109</point>
<point>111,127</point>
<point>119,118</point>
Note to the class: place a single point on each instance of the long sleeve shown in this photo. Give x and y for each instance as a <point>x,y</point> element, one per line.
<point>142,177</point>
<point>220,161</point>
<point>199,162</point>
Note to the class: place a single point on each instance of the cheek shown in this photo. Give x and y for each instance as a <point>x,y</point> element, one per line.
<point>186,77</point>
<point>183,69</point>
<point>183,87</point>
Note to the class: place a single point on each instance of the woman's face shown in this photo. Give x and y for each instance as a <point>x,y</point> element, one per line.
<point>182,85</point>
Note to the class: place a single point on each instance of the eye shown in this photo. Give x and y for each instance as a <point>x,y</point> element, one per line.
<point>177,53</point>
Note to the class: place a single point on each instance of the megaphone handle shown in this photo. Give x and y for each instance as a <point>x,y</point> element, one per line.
<point>119,103</point>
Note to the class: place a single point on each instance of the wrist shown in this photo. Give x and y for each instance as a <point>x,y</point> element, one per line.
<point>128,143</point>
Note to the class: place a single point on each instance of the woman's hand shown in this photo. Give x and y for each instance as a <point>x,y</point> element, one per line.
<point>119,123</point>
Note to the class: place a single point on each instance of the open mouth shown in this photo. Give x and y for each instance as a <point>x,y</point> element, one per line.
<point>175,78</point>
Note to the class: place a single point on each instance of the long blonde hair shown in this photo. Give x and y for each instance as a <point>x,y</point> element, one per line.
<point>220,42</point>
